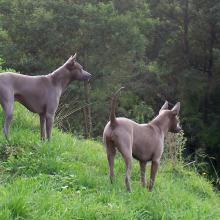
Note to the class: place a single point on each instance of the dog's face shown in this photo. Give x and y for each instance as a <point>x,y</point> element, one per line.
<point>174,122</point>
<point>174,125</point>
<point>76,70</point>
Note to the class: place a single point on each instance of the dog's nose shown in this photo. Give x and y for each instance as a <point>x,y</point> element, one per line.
<point>86,76</point>
<point>89,76</point>
<point>179,129</point>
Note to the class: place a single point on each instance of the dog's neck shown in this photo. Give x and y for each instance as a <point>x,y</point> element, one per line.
<point>61,77</point>
<point>162,122</point>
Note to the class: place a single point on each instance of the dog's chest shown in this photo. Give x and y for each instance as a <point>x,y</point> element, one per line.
<point>147,143</point>
<point>146,150</point>
<point>141,153</point>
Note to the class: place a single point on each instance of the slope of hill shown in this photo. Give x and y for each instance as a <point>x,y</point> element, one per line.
<point>67,178</point>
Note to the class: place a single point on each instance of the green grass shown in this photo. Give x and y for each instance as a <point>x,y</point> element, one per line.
<point>67,178</point>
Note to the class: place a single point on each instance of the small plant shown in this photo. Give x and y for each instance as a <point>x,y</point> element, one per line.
<point>7,150</point>
<point>2,62</point>
<point>174,147</point>
<point>17,207</point>
<point>66,108</point>
<point>203,164</point>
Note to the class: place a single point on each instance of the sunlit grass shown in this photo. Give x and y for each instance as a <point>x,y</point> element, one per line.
<point>67,178</point>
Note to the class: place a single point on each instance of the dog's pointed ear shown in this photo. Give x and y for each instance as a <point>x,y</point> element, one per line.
<point>74,57</point>
<point>164,107</point>
<point>71,59</point>
<point>70,62</point>
<point>176,109</point>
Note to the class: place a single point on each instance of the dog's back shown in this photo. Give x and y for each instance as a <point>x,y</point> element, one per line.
<point>24,89</point>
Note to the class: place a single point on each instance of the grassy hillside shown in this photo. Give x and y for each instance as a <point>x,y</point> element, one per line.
<point>68,179</point>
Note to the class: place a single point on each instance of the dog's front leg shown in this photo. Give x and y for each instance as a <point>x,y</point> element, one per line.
<point>111,152</point>
<point>154,168</point>
<point>49,124</point>
<point>43,126</point>
<point>143,170</point>
<point>8,108</point>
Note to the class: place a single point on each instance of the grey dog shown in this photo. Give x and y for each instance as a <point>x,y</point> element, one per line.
<point>39,94</point>
<point>145,142</point>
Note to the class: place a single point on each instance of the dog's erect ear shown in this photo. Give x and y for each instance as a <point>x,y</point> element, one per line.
<point>74,57</point>
<point>176,109</point>
<point>164,107</point>
<point>71,61</point>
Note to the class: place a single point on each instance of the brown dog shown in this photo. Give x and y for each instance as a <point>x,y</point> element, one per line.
<point>39,94</point>
<point>145,142</point>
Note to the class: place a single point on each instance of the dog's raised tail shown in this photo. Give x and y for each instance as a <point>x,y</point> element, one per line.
<point>113,106</point>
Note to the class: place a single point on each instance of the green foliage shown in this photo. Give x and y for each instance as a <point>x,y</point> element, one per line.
<point>67,178</point>
<point>3,69</point>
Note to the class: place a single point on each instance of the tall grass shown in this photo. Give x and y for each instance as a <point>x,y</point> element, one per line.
<point>67,178</point>
<point>174,147</point>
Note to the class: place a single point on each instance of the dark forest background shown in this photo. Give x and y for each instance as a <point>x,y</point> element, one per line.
<point>158,50</point>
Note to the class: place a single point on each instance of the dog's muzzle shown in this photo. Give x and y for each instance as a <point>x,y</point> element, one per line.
<point>86,76</point>
<point>178,129</point>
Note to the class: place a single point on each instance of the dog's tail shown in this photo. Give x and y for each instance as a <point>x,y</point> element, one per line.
<point>113,106</point>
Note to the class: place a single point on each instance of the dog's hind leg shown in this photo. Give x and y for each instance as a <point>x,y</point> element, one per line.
<point>128,163</point>
<point>111,152</point>
<point>125,149</point>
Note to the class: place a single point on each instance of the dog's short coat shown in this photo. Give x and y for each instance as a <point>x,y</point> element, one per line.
<point>145,142</point>
<point>39,94</point>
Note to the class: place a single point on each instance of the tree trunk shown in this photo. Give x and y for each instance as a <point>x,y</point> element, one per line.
<point>88,128</point>
<point>186,21</point>
<point>87,111</point>
<point>85,123</point>
<point>208,69</point>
